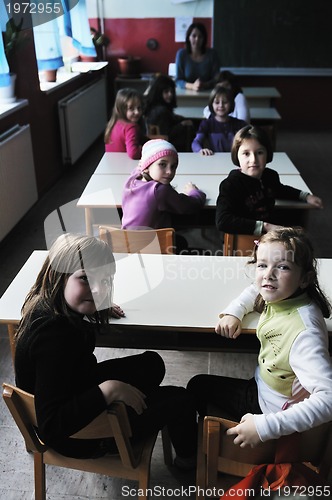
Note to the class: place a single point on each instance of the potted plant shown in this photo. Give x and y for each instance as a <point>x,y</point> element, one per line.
<point>100,42</point>
<point>130,66</point>
<point>12,40</point>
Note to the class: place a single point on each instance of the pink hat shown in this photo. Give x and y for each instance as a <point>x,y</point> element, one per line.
<point>155,149</point>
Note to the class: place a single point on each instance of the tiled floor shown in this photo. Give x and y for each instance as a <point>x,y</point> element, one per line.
<point>311,153</point>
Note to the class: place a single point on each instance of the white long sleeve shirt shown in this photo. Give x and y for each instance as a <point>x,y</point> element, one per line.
<point>310,403</point>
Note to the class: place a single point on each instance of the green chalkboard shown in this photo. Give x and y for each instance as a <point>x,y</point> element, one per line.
<point>273,33</point>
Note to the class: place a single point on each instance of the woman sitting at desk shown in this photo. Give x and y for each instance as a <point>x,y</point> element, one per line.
<point>197,66</point>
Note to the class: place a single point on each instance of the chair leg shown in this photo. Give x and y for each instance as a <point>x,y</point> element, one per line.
<point>213,439</point>
<point>40,479</point>
<point>143,483</point>
<point>201,464</point>
<point>167,446</point>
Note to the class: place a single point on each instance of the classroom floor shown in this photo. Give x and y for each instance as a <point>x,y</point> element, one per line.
<point>311,152</point>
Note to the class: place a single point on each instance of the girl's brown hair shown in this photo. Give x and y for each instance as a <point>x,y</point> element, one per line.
<point>155,93</point>
<point>251,132</point>
<point>297,243</point>
<point>69,253</point>
<point>123,97</point>
<point>219,90</point>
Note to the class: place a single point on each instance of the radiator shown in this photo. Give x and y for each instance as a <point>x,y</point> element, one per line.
<point>18,190</point>
<point>83,117</point>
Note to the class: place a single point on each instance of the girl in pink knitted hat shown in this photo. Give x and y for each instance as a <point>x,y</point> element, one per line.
<point>148,199</point>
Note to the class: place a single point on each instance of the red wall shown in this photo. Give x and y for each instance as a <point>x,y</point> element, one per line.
<point>129,37</point>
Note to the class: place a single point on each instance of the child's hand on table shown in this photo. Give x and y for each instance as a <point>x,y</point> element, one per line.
<point>206,152</point>
<point>117,312</point>
<point>315,201</point>
<point>228,326</point>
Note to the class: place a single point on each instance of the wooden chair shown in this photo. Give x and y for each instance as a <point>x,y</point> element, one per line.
<point>218,454</point>
<point>240,245</point>
<point>132,462</point>
<point>138,241</point>
<point>154,132</point>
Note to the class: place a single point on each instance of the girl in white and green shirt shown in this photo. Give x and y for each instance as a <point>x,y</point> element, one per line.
<point>292,387</point>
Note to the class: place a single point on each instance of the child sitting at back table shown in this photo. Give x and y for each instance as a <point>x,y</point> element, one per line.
<point>125,132</point>
<point>216,133</point>
<point>292,387</point>
<point>148,199</point>
<point>159,110</point>
<point>241,109</point>
<point>246,200</point>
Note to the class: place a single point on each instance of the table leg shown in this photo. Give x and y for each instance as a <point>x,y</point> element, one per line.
<point>88,222</point>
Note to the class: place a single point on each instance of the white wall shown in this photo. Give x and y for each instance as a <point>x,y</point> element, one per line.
<point>148,8</point>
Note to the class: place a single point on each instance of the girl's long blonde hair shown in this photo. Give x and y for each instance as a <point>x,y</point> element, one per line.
<point>297,242</point>
<point>119,112</point>
<point>68,254</point>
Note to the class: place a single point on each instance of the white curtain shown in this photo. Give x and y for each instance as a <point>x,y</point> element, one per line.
<point>74,23</point>
<point>4,68</point>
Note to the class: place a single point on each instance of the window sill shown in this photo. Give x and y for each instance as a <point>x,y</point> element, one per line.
<point>7,109</point>
<point>63,76</point>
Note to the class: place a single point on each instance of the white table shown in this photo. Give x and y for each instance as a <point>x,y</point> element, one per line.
<point>186,97</point>
<point>256,96</point>
<point>105,191</point>
<point>166,293</point>
<point>192,163</point>
<point>261,96</point>
<point>257,114</point>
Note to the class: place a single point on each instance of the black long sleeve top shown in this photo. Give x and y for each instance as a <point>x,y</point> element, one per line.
<point>55,362</point>
<point>164,117</point>
<point>243,200</point>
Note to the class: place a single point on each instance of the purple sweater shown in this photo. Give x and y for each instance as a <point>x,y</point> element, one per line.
<point>150,204</point>
<point>217,136</point>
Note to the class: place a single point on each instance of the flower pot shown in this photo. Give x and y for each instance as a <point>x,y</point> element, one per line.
<point>130,66</point>
<point>50,75</point>
<point>88,58</point>
<point>7,93</point>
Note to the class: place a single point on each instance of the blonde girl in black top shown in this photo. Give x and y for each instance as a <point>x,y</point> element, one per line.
<point>67,306</point>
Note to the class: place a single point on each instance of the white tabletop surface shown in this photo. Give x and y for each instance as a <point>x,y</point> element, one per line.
<point>268,114</point>
<point>263,92</point>
<point>256,113</point>
<point>256,96</point>
<point>103,191</point>
<point>173,291</point>
<point>191,163</point>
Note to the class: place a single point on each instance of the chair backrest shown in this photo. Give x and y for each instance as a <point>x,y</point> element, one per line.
<point>172,70</point>
<point>222,455</point>
<point>21,405</point>
<point>240,245</point>
<point>154,132</point>
<point>159,241</point>
<point>111,423</point>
